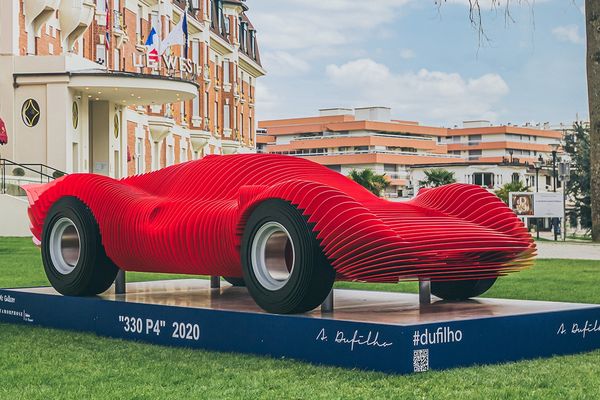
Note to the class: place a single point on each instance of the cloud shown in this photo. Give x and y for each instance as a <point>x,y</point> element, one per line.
<point>284,64</point>
<point>429,95</point>
<point>407,54</point>
<point>568,33</point>
<point>318,26</point>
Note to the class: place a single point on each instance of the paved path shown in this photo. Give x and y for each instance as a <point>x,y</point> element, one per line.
<point>576,251</point>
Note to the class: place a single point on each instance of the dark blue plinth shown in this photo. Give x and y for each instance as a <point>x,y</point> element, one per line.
<point>373,331</point>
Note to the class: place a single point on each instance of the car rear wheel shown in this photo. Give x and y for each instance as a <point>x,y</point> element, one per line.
<point>461,290</point>
<point>284,267</point>
<point>72,253</point>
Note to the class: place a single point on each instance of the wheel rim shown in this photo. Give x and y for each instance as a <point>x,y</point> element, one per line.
<point>65,246</point>
<point>273,256</point>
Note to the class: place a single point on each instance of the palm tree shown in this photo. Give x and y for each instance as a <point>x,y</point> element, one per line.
<point>516,186</point>
<point>371,181</point>
<point>437,177</point>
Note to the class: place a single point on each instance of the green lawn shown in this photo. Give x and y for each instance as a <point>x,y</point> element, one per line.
<point>43,363</point>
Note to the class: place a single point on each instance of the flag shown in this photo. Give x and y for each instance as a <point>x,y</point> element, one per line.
<point>178,35</point>
<point>153,46</point>
<point>107,38</point>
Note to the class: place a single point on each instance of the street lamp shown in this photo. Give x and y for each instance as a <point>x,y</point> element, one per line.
<point>537,165</point>
<point>554,147</point>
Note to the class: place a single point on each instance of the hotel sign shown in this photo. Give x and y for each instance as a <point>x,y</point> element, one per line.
<point>182,67</point>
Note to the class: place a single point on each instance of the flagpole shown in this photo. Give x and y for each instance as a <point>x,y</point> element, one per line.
<point>187,28</point>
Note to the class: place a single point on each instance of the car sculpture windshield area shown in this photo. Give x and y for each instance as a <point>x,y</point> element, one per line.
<point>284,227</point>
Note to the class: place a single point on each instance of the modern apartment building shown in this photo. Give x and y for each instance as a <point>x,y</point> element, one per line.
<point>81,92</point>
<point>346,139</point>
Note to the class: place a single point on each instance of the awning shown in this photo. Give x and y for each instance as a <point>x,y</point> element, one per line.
<point>3,133</point>
<point>125,88</point>
<point>133,89</point>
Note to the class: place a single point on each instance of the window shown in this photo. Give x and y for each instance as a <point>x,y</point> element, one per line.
<point>226,24</point>
<point>485,179</point>
<point>253,43</point>
<point>226,120</point>
<point>336,168</point>
<point>515,177</point>
<point>226,71</point>
<point>170,154</point>
<point>154,22</point>
<point>183,155</point>
<point>196,106</point>
<point>117,60</point>
<point>474,154</point>
<point>139,156</point>
<point>101,5</point>
<point>235,110</point>
<point>216,121</point>
<point>138,22</point>
<point>389,167</point>
<point>475,138</point>
<point>205,111</point>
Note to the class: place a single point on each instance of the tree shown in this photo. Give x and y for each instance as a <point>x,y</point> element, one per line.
<point>592,18</point>
<point>437,177</point>
<point>516,186</point>
<point>577,145</point>
<point>592,22</point>
<point>371,181</point>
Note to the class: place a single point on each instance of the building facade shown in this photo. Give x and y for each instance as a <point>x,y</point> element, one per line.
<point>347,139</point>
<point>81,92</point>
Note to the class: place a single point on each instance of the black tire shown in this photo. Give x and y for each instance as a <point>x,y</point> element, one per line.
<point>238,282</point>
<point>461,290</point>
<point>311,277</point>
<point>93,272</point>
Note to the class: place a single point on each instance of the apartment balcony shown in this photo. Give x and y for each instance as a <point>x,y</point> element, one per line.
<point>230,146</point>
<point>199,138</point>
<point>75,17</point>
<point>119,29</point>
<point>160,127</point>
<point>38,12</point>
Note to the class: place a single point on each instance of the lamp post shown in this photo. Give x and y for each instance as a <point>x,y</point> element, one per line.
<point>537,165</point>
<point>564,172</point>
<point>554,147</point>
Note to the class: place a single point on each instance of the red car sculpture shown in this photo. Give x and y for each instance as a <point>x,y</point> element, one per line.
<point>285,227</point>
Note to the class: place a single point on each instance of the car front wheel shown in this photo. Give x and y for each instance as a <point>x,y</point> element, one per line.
<point>284,267</point>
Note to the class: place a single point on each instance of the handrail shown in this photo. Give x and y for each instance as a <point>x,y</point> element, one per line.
<point>346,136</point>
<point>45,172</point>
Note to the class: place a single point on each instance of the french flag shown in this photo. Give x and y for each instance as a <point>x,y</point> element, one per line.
<point>153,45</point>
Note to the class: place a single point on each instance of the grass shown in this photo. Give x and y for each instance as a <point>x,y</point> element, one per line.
<point>37,363</point>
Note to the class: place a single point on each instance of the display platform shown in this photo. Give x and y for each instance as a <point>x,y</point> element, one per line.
<point>379,331</point>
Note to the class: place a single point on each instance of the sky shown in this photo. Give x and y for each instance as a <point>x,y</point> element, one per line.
<point>426,63</point>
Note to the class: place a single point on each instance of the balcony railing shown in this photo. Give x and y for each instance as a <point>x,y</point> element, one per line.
<point>373,151</point>
<point>346,136</point>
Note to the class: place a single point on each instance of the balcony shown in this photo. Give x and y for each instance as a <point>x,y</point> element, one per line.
<point>230,146</point>
<point>38,12</point>
<point>75,17</point>
<point>160,127</point>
